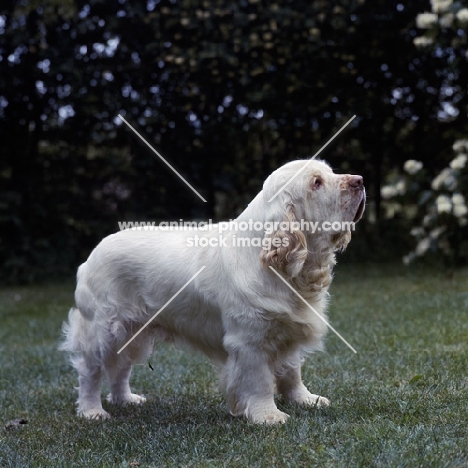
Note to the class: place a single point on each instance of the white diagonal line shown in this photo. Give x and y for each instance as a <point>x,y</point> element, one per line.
<point>162,159</point>
<point>311,308</point>
<point>161,309</point>
<point>312,158</point>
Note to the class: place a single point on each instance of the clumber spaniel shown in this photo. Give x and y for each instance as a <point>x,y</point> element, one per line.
<point>236,311</point>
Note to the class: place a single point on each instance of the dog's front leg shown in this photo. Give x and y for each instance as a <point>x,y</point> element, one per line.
<point>247,381</point>
<point>290,386</point>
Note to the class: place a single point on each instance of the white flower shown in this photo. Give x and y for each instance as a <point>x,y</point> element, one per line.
<point>426,20</point>
<point>459,162</point>
<point>444,204</point>
<point>460,145</point>
<point>462,15</point>
<point>458,199</point>
<point>400,187</point>
<point>423,246</point>
<point>447,20</point>
<point>459,205</point>
<point>440,5</point>
<point>422,41</point>
<point>460,210</point>
<point>411,166</point>
<point>445,178</point>
<point>388,191</point>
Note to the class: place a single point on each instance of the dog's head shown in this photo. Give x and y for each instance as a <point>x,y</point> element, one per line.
<point>314,210</point>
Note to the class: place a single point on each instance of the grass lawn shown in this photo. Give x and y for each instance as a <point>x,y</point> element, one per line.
<point>401,401</point>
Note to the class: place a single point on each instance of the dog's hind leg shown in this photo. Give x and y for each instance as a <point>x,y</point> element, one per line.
<point>80,341</point>
<point>118,370</point>
<point>89,392</point>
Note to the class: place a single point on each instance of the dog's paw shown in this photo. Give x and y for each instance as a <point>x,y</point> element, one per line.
<point>95,413</point>
<point>270,418</point>
<point>321,402</point>
<point>309,399</point>
<point>131,399</point>
<point>277,417</point>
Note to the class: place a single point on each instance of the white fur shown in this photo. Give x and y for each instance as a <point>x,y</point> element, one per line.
<point>236,311</point>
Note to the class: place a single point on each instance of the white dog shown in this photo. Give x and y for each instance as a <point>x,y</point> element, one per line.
<point>237,310</point>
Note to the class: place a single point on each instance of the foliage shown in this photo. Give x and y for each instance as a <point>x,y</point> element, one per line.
<point>443,33</point>
<point>446,23</point>
<point>438,213</point>
<point>226,91</point>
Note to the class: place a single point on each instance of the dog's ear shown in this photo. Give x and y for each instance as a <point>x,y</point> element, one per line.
<point>285,249</point>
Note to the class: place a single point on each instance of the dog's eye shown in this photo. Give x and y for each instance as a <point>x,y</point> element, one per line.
<point>317,183</point>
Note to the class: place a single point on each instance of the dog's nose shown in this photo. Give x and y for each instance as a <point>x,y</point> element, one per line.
<point>356,182</point>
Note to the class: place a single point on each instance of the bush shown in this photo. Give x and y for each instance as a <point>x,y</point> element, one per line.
<point>437,212</point>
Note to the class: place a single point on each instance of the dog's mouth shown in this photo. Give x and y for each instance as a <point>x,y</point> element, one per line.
<point>360,209</point>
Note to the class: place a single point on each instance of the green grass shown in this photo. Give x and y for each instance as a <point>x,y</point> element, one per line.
<point>402,401</point>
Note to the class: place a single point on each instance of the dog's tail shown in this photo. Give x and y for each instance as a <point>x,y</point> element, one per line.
<point>76,339</point>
